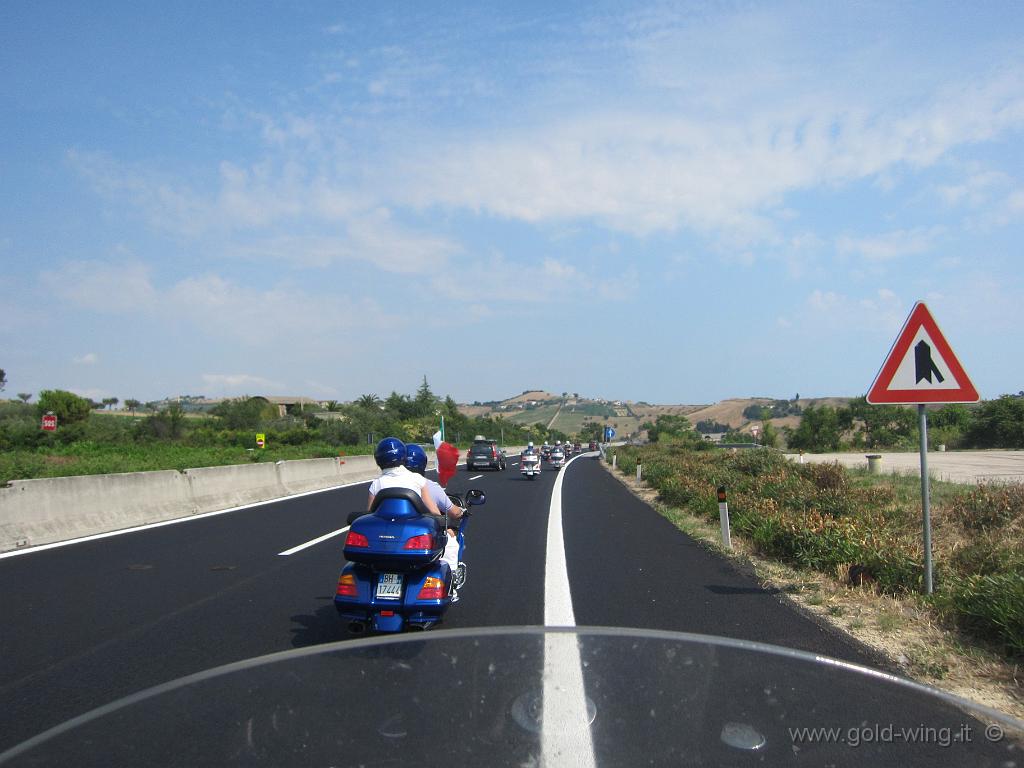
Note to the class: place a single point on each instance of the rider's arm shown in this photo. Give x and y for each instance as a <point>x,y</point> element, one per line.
<point>431,506</point>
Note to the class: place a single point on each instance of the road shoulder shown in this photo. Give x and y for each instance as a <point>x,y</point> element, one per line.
<point>900,633</point>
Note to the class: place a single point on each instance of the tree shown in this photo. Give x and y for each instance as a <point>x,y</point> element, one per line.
<point>333,406</point>
<point>754,412</point>
<point>998,424</point>
<point>368,401</point>
<point>425,402</point>
<point>244,414</point>
<point>769,435</point>
<point>168,423</point>
<point>25,396</point>
<point>3,379</point>
<point>399,406</point>
<point>818,430</point>
<point>884,425</point>
<point>132,404</point>
<point>68,407</point>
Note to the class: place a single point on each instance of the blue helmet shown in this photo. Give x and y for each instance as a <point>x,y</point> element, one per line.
<point>415,458</point>
<point>390,452</point>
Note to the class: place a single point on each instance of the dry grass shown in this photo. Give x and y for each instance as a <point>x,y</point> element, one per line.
<point>903,629</point>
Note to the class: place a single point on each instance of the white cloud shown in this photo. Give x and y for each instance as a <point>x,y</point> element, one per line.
<point>891,245</point>
<point>107,287</point>
<point>975,191</point>
<point>660,171</point>
<point>282,314</point>
<point>239,383</point>
<point>89,358</point>
<point>832,310</point>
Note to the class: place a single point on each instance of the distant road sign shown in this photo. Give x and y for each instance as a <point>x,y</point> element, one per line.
<point>261,440</point>
<point>50,422</point>
<point>921,367</point>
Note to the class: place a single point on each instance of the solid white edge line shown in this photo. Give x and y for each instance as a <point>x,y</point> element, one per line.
<point>147,526</point>
<point>565,724</point>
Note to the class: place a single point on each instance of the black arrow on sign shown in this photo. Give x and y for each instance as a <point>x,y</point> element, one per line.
<point>924,366</point>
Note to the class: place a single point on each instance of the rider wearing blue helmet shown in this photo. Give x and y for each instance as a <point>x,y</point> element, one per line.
<point>390,456</point>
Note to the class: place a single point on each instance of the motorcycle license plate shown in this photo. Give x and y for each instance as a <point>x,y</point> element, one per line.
<point>389,586</point>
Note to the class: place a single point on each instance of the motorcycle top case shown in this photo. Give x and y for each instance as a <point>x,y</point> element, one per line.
<point>397,530</point>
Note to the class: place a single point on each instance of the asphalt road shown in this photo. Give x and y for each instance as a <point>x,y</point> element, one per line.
<point>92,622</point>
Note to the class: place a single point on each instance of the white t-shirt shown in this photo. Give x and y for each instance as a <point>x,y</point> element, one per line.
<point>398,477</point>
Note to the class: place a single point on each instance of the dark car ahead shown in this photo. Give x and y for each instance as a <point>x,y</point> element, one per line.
<point>485,454</point>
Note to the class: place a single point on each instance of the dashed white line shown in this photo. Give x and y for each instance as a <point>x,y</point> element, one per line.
<point>317,540</point>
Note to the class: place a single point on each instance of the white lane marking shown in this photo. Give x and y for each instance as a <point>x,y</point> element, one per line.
<point>515,463</point>
<point>565,723</point>
<point>317,540</point>
<point>476,477</point>
<point>176,520</point>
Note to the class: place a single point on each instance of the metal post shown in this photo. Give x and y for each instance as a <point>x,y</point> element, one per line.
<point>925,500</point>
<point>723,516</point>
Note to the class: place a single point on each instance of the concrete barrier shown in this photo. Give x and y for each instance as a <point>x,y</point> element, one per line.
<point>233,485</point>
<point>304,475</point>
<point>34,512</point>
<point>47,510</point>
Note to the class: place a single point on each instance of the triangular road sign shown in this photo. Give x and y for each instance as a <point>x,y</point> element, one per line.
<point>921,367</point>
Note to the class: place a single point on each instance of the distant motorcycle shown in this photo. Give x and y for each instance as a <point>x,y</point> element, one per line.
<point>529,465</point>
<point>557,458</point>
<point>395,578</point>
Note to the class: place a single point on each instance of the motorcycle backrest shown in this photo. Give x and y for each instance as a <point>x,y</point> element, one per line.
<point>396,503</point>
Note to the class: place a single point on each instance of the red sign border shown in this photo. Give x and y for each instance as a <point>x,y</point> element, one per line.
<point>880,394</point>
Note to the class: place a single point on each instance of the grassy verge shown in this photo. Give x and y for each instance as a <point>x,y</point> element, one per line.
<point>918,636</point>
<point>866,529</point>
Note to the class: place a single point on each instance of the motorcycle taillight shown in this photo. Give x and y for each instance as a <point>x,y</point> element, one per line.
<point>423,541</point>
<point>432,589</point>
<point>356,540</point>
<point>347,586</point>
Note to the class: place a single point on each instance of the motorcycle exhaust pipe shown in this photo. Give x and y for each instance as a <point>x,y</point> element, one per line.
<point>357,627</point>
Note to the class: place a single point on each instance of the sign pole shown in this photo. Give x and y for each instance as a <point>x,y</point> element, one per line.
<point>925,500</point>
<point>922,368</point>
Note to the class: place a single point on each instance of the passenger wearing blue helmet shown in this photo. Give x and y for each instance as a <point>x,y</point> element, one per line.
<point>416,462</point>
<point>390,457</point>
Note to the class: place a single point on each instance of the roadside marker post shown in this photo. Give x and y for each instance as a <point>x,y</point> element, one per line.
<point>922,368</point>
<point>723,515</point>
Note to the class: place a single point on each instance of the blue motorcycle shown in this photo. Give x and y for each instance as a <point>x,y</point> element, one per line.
<point>395,578</point>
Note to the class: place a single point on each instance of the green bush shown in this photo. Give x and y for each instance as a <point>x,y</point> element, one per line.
<point>990,605</point>
<point>67,406</point>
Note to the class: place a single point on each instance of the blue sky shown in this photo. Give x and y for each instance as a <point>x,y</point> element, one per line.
<point>670,202</point>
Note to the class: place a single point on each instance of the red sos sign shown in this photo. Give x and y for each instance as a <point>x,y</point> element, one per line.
<point>50,422</point>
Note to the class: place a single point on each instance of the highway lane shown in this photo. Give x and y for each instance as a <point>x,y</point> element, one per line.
<point>96,620</point>
<point>91,622</point>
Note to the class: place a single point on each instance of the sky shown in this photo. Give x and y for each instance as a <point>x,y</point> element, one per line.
<point>666,202</point>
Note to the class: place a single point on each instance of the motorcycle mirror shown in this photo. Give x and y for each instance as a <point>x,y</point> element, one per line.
<point>475,497</point>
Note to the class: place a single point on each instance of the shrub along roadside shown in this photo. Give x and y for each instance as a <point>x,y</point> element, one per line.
<point>833,520</point>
